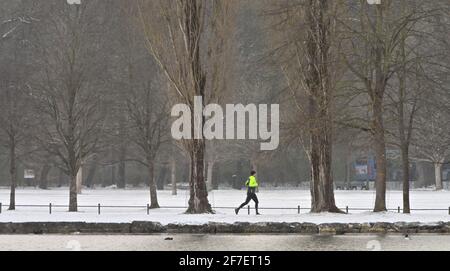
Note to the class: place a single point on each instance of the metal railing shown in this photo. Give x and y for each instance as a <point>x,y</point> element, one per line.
<point>299,209</point>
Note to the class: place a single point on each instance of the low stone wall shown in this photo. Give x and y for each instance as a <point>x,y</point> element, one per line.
<point>147,227</point>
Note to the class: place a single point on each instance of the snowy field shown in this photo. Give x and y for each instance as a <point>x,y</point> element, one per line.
<point>222,198</point>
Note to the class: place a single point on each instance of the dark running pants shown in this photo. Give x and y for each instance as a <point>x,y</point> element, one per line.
<point>251,195</point>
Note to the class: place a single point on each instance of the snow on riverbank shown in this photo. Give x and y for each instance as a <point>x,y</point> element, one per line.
<point>221,198</point>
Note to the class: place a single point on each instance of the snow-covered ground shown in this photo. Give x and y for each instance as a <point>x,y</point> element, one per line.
<point>222,198</point>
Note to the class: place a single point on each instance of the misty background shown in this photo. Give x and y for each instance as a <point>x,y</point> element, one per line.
<point>52,52</point>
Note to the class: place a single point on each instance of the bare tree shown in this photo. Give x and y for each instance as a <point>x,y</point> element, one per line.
<point>141,109</point>
<point>307,62</point>
<point>405,109</point>
<point>406,92</point>
<point>372,45</point>
<point>15,70</point>
<point>149,118</point>
<point>14,122</point>
<point>432,140</point>
<point>180,35</point>
<point>66,93</point>
<point>319,83</point>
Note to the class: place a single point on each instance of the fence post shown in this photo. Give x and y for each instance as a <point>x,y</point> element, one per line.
<point>99,208</point>
<point>399,210</point>
<point>1,208</point>
<point>50,208</point>
<point>248,207</point>
<point>346,209</point>
<point>148,209</point>
<point>298,208</point>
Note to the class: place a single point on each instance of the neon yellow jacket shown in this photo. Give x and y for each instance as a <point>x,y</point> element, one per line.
<point>251,182</point>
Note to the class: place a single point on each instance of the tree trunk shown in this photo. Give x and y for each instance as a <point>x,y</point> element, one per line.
<point>403,132</point>
<point>113,179</point>
<point>79,180</point>
<point>421,180</point>
<point>13,175</point>
<point>43,180</point>
<point>151,182</point>
<point>322,189</point>
<point>198,200</point>
<point>61,178</point>
<point>91,173</point>
<point>217,178</point>
<point>380,154</point>
<point>237,181</point>
<point>406,178</point>
<point>318,82</point>
<point>121,182</point>
<point>438,175</point>
<point>209,175</point>
<point>73,204</point>
<point>377,96</point>
<point>161,180</point>
<point>173,177</point>
<point>348,166</point>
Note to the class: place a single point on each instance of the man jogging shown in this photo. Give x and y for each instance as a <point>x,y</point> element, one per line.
<point>251,184</point>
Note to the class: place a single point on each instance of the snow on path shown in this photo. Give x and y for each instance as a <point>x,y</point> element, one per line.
<point>221,198</point>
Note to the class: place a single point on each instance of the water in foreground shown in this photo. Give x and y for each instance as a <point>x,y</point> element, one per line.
<point>193,242</point>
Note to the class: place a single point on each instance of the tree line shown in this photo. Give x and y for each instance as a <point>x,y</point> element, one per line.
<point>92,84</point>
